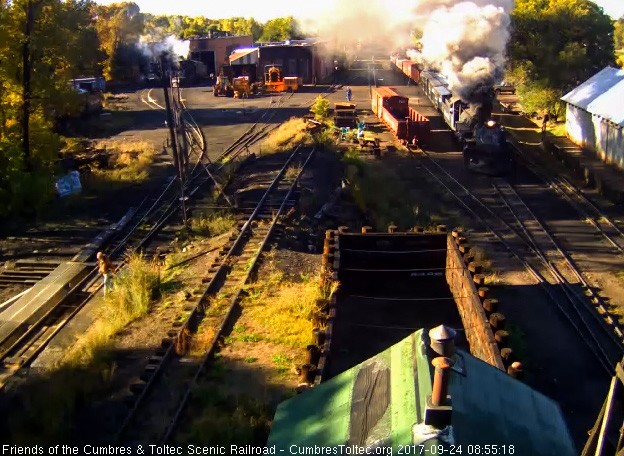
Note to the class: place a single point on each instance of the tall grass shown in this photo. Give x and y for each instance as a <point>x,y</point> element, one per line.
<point>48,405</point>
<point>287,136</point>
<point>130,160</point>
<point>132,296</point>
<point>213,224</point>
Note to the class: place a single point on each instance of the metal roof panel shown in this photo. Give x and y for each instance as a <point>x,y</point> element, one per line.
<point>601,95</point>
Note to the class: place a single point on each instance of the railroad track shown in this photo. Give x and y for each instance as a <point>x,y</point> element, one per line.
<point>530,242</point>
<point>215,311</point>
<point>21,348</point>
<point>591,213</point>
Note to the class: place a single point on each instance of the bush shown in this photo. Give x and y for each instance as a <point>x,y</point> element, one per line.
<point>287,136</point>
<point>213,224</point>
<point>320,108</point>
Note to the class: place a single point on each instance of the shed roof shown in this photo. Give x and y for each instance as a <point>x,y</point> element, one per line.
<point>601,95</point>
<point>379,401</point>
<point>238,56</point>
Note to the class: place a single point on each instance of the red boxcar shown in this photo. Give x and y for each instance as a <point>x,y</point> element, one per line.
<point>408,125</point>
<point>411,70</point>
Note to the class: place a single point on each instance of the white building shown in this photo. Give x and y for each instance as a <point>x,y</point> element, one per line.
<point>595,115</point>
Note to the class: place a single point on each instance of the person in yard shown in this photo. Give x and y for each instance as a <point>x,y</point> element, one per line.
<point>348,93</point>
<point>106,269</point>
<point>545,121</point>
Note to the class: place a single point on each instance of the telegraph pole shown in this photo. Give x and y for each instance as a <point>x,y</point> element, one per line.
<point>166,82</point>
<point>171,118</point>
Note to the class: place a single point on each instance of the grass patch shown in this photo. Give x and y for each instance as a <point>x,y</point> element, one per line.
<point>49,404</point>
<point>213,224</point>
<point>287,136</point>
<point>292,172</point>
<point>378,192</point>
<point>250,359</point>
<point>227,420</point>
<point>132,296</point>
<point>250,338</point>
<point>559,129</point>
<point>281,309</point>
<point>282,362</point>
<point>129,161</point>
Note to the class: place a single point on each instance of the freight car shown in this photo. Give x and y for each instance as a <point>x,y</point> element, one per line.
<point>408,67</point>
<point>409,126</point>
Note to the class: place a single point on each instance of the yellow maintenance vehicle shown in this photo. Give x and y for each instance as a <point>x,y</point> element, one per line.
<point>275,81</point>
<point>243,88</point>
<point>223,87</point>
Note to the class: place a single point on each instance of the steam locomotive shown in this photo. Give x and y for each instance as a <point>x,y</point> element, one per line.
<point>483,140</point>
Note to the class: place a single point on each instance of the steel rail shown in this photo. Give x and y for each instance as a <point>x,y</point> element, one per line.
<point>571,294</point>
<point>234,301</point>
<point>576,272</point>
<point>208,290</point>
<point>565,188</point>
<point>607,364</point>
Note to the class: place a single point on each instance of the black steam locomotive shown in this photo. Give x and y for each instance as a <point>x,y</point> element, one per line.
<point>484,141</point>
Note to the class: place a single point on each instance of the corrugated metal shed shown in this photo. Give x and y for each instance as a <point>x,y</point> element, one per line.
<point>489,408</point>
<point>602,95</point>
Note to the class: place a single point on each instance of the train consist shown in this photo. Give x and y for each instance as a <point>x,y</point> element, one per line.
<point>483,140</point>
<point>409,126</point>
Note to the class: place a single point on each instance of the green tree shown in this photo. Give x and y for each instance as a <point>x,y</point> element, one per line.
<point>61,44</point>
<point>619,33</point>
<point>280,29</point>
<point>557,44</point>
<point>119,26</point>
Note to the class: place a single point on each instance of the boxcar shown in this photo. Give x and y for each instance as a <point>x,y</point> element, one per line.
<point>393,110</point>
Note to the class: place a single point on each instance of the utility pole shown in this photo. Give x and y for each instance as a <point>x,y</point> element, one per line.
<point>166,82</point>
<point>171,118</point>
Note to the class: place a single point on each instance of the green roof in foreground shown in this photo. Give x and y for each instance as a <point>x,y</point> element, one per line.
<point>378,402</point>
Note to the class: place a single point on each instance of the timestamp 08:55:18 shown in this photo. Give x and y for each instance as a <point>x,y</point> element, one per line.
<point>450,450</point>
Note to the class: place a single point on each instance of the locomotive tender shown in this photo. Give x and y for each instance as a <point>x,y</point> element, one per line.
<point>483,140</point>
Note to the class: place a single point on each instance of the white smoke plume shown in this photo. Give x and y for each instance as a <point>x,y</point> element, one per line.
<point>376,25</point>
<point>154,46</point>
<point>466,42</point>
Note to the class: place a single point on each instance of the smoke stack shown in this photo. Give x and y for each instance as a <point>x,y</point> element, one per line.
<point>439,410</point>
<point>443,341</point>
<point>441,379</point>
<point>484,112</point>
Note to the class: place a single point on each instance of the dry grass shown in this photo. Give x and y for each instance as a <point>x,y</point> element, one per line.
<point>281,309</point>
<point>130,160</point>
<point>287,136</point>
<point>50,402</point>
<point>213,224</point>
<point>135,288</point>
<point>114,102</point>
<point>292,172</point>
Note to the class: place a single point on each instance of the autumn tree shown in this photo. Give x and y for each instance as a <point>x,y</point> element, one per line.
<point>619,33</point>
<point>280,29</point>
<point>119,26</point>
<point>57,41</point>
<point>557,44</point>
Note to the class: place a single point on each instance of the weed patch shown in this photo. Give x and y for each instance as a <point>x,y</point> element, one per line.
<point>282,362</point>
<point>134,290</point>
<point>287,136</point>
<point>281,309</point>
<point>129,162</point>
<point>212,224</point>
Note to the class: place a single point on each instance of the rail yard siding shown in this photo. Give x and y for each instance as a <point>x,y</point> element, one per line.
<point>476,324</point>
